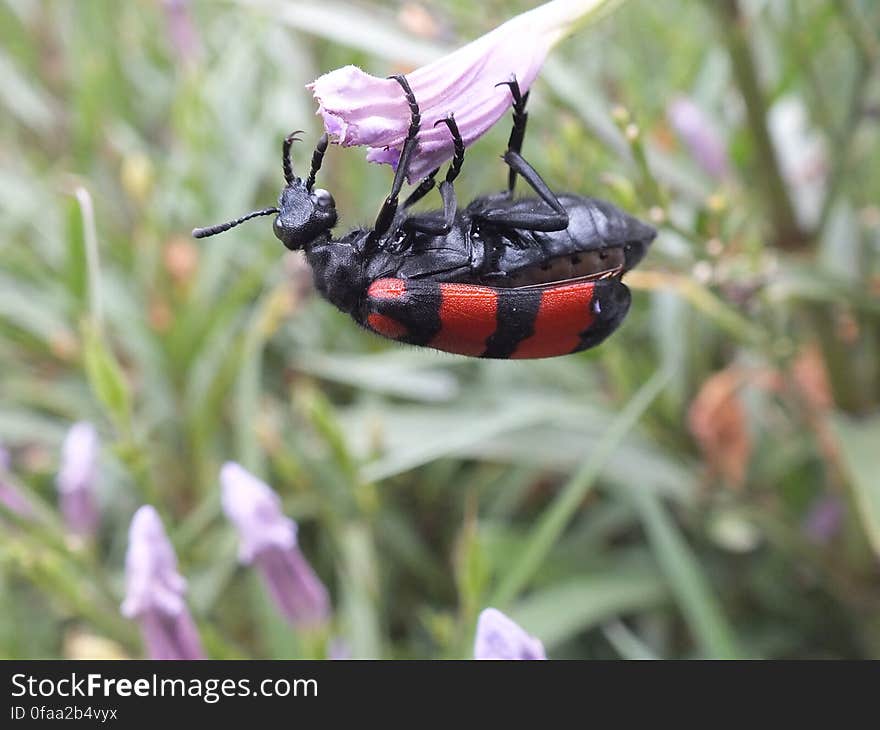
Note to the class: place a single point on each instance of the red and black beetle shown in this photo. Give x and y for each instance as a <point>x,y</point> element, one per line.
<point>503,278</point>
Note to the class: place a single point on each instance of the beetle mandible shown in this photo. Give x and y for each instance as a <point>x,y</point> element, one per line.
<point>505,277</point>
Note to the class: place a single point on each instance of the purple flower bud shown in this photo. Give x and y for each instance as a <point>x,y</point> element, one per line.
<point>700,136</point>
<point>13,500</point>
<point>10,496</point>
<point>268,540</point>
<point>498,637</point>
<point>360,109</point>
<point>155,591</point>
<point>181,29</point>
<point>76,479</point>
<point>824,518</point>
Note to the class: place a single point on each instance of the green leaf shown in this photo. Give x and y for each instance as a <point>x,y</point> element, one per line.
<point>858,442</point>
<point>37,312</point>
<point>447,442</point>
<point>24,100</point>
<point>106,378</point>
<point>471,567</point>
<point>75,268</point>
<point>385,373</point>
<point>360,592</point>
<point>557,516</point>
<point>626,643</point>
<point>689,586</point>
<point>563,611</point>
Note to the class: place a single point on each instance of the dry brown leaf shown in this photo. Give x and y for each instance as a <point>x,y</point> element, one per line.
<point>717,420</point>
<point>181,259</point>
<point>811,378</point>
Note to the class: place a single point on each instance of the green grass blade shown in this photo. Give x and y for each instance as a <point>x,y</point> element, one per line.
<point>689,586</point>
<point>558,613</point>
<point>626,643</point>
<point>858,442</point>
<point>555,518</point>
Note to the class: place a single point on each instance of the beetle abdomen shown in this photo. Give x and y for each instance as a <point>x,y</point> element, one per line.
<point>483,321</point>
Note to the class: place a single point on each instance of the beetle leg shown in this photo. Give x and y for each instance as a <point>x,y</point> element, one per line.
<point>516,162</point>
<point>458,156</point>
<point>425,186</point>
<point>286,164</point>
<point>402,219</point>
<point>530,221</point>
<point>518,132</point>
<point>389,207</point>
<point>431,225</point>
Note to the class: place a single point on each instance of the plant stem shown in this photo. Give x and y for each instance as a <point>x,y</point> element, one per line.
<point>858,29</point>
<point>93,264</point>
<point>843,143</point>
<point>788,235</point>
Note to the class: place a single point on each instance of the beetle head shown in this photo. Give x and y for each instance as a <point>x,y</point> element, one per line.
<point>304,213</point>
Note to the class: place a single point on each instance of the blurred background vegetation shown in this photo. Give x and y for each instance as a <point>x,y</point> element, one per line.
<point>704,484</point>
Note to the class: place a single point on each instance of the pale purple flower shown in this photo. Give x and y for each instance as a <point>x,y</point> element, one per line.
<point>338,649</point>
<point>499,637</point>
<point>10,496</point>
<point>13,500</point>
<point>181,29</point>
<point>824,518</point>
<point>77,477</point>
<point>268,541</point>
<point>155,591</point>
<point>360,109</point>
<point>701,137</point>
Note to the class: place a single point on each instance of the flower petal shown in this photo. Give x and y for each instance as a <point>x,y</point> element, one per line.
<point>80,512</point>
<point>255,510</point>
<point>155,591</point>
<point>268,540</point>
<point>360,109</point>
<point>152,580</point>
<point>77,477</point>
<point>696,130</point>
<point>171,637</point>
<point>499,637</point>
<point>11,496</point>
<point>295,587</point>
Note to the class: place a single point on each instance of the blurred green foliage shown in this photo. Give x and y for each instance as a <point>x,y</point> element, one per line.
<point>659,496</point>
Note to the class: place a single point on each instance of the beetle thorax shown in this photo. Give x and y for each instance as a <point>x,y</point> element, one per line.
<point>338,268</point>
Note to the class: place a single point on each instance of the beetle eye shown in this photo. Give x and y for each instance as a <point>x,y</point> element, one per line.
<point>277,226</point>
<point>323,198</point>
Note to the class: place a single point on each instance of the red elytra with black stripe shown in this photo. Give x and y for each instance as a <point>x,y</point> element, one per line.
<point>482,321</point>
<point>504,277</point>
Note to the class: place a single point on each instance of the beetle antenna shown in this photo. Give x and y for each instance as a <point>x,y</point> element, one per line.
<point>285,155</point>
<point>317,159</point>
<point>220,228</point>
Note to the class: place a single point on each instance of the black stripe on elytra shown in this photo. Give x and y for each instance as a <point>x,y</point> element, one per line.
<point>612,300</point>
<point>418,309</point>
<point>517,311</point>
